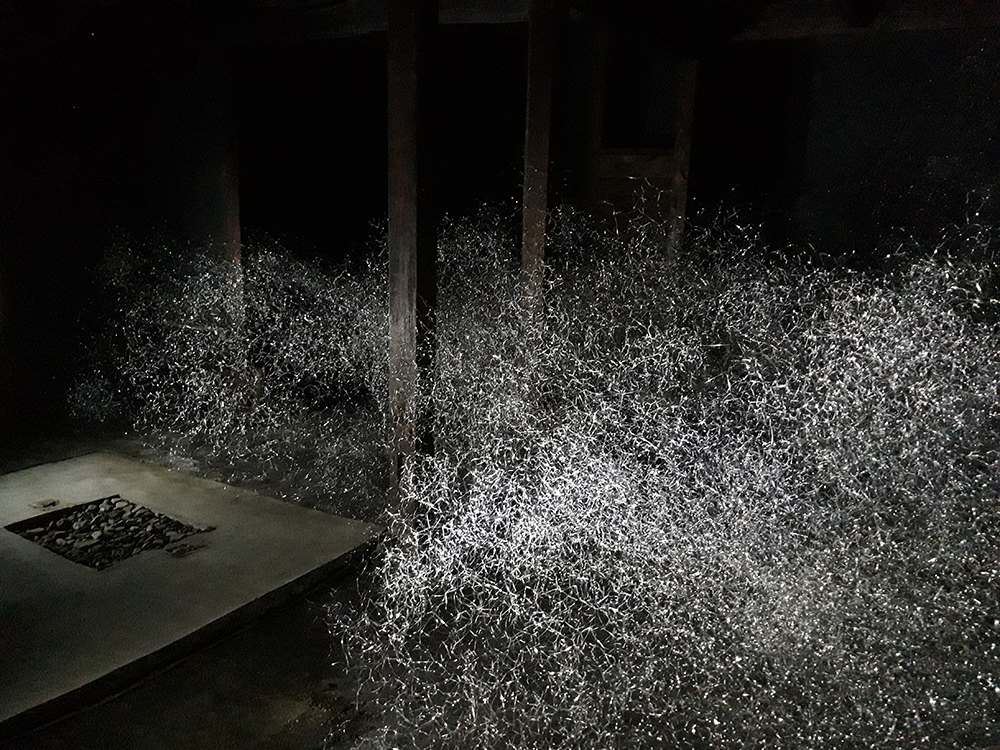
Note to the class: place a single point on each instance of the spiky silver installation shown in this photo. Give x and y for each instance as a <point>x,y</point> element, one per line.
<point>266,370</point>
<point>720,501</point>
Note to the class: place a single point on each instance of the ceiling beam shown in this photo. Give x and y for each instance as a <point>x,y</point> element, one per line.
<point>298,20</point>
<point>796,19</point>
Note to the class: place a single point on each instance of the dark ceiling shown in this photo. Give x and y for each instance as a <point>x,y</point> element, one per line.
<point>687,27</point>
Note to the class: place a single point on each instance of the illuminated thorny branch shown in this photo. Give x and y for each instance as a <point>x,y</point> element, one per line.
<point>724,500</point>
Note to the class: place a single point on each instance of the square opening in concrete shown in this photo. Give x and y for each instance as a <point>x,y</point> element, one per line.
<point>105,531</point>
<point>72,634</point>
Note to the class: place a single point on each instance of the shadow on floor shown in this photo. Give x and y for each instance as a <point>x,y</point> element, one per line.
<point>279,683</point>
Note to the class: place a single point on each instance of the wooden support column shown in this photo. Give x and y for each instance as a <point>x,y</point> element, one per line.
<point>216,195</point>
<point>412,233</point>
<point>541,21</point>
<point>686,85</point>
<point>597,77</point>
<point>213,200</point>
<point>231,237</point>
<point>230,243</point>
<point>193,178</point>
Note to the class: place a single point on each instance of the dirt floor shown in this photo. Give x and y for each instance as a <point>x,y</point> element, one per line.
<point>280,683</point>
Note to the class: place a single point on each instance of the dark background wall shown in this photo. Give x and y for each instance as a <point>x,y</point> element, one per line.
<point>904,134</point>
<point>312,132</point>
<point>846,142</point>
<point>66,144</point>
<point>113,125</point>
<point>752,113</point>
<point>125,125</point>
<point>125,121</point>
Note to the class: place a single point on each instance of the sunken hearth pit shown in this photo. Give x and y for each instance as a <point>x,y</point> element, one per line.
<point>105,531</point>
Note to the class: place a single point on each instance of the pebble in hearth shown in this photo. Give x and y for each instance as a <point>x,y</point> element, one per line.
<point>103,532</point>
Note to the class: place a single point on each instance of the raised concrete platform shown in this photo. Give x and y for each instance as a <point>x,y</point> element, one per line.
<point>70,634</point>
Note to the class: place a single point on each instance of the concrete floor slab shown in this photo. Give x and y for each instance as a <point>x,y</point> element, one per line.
<point>70,633</point>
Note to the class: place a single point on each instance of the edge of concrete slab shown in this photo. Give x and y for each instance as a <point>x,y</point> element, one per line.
<point>128,675</point>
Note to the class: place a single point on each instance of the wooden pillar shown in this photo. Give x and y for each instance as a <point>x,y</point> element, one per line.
<point>597,76</point>
<point>231,237</point>
<point>220,179</point>
<point>193,180</point>
<point>216,195</point>
<point>687,81</point>
<point>541,21</point>
<point>230,243</point>
<point>412,231</point>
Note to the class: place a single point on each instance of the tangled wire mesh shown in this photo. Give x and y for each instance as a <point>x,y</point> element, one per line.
<point>717,500</point>
<point>267,371</point>
<point>721,501</point>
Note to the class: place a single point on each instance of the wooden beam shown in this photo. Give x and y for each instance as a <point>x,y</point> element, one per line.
<point>791,19</point>
<point>412,229</point>
<point>193,179</point>
<point>597,78</point>
<point>686,84</point>
<point>268,21</point>
<point>213,199</point>
<point>541,21</point>
<point>231,236</point>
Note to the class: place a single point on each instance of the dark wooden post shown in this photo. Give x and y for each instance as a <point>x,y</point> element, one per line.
<point>213,198</point>
<point>541,20</point>
<point>231,238</point>
<point>687,80</point>
<point>193,181</point>
<point>218,184</point>
<point>412,230</point>
<point>597,77</point>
